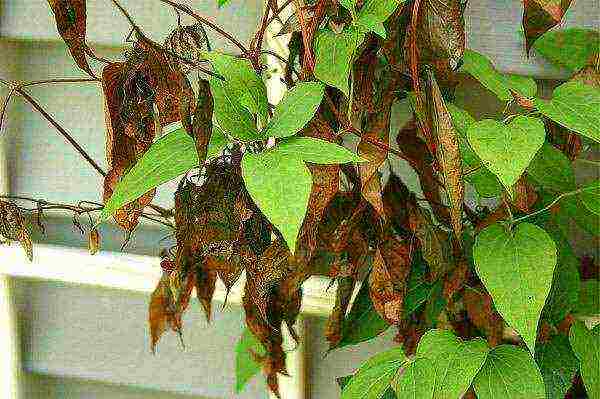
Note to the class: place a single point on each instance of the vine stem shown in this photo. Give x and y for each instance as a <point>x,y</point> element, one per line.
<point>550,205</point>
<point>187,10</point>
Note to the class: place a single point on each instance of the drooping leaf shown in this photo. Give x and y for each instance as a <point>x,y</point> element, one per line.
<point>295,110</point>
<point>13,227</point>
<point>333,53</point>
<point>541,15</point>
<point>169,157</point>
<point>590,196</point>
<point>280,186</point>
<point>448,153</point>
<point>481,312</point>
<point>71,18</point>
<point>246,366</point>
<point>373,378</point>
<point>317,151</point>
<point>509,372</point>
<point>374,13</point>
<point>363,323</point>
<point>552,170</point>
<point>447,366</point>
<point>507,150</point>
<point>558,365</point>
<point>242,81</point>
<point>575,106</point>
<point>517,269</point>
<point>162,311</point>
<point>230,114</point>
<point>586,345</point>
<point>478,66</point>
<point>589,300</point>
<point>570,48</point>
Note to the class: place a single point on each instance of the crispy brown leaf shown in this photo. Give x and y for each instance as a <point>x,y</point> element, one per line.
<point>481,312</point>
<point>456,279</point>
<point>161,312</point>
<point>202,125</point>
<point>70,18</point>
<point>94,242</point>
<point>333,329</point>
<point>541,15</point>
<point>448,153</point>
<point>12,227</point>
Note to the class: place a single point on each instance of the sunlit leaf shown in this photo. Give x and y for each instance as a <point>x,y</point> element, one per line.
<point>317,151</point>
<point>586,345</point>
<point>509,372</point>
<point>280,186</point>
<point>295,110</point>
<point>517,269</point>
<point>374,12</point>
<point>558,365</point>
<point>571,48</point>
<point>246,365</point>
<point>169,157</point>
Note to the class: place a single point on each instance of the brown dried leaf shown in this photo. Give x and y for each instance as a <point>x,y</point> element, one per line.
<point>435,243</point>
<point>12,227</point>
<point>524,195</point>
<point>448,153</point>
<point>202,125</point>
<point>161,311</point>
<point>456,279</point>
<point>333,329</point>
<point>481,312</point>
<point>387,281</point>
<point>94,242</point>
<point>541,15</point>
<point>70,18</point>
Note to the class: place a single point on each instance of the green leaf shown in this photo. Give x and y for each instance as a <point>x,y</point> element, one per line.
<point>552,170</point>
<point>586,345</point>
<point>317,151</point>
<point>363,323</point>
<point>245,365</point>
<point>419,288</point>
<point>170,156</point>
<point>589,299</point>
<point>230,114</point>
<point>221,3</point>
<point>509,373</point>
<point>295,110</point>
<point>569,48</point>
<point>373,378</point>
<point>517,270</point>
<point>574,208</point>
<point>280,186</point>
<point>349,5</point>
<point>484,181</point>
<point>564,294</point>
<point>343,381</point>
<point>446,364</point>
<point>590,196</point>
<point>478,66</point>
<point>558,366</point>
<point>243,82</point>
<point>507,150</point>
<point>374,13</point>
<point>575,106</point>
<point>333,53</point>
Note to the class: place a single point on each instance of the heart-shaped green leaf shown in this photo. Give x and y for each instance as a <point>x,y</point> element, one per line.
<point>517,269</point>
<point>576,106</point>
<point>449,365</point>
<point>170,156</point>
<point>317,151</point>
<point>333,53</point>
<point>374,13</point>
<point>280,186</point>
<point>586,345</point>
<point>507,150</point>
<point>509,373</point>
<point>373,378</point>
<point>295,110</point>
<point>478,66</point>
<point>230,114</point>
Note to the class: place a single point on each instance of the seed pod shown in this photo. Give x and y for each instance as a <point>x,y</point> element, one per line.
<point>94,242</point>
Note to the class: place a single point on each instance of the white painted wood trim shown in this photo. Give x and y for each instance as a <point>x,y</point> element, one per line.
<point>10,359</point>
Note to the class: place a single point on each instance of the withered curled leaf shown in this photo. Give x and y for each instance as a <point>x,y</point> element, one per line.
<point>71,18</point>
<point>94,242</point>
<point>161,311</point>
<point>483,315</point>
<point>448,153</point>
<point>12,227</point>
